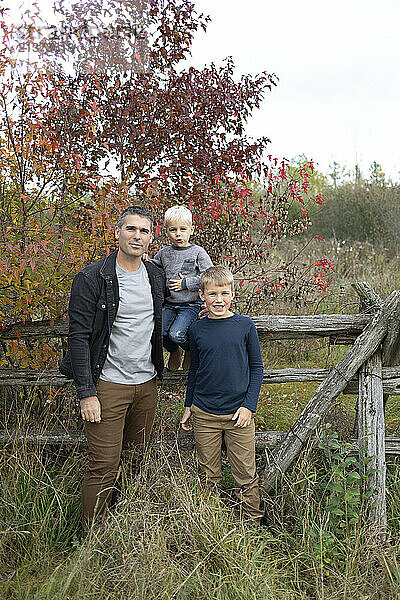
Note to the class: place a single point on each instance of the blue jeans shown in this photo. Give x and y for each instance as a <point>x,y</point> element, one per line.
<point>177,319</point>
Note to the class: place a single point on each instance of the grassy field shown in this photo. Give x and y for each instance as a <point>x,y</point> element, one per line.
<point>168,537</point>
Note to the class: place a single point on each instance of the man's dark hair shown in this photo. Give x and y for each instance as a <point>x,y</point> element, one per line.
<point>135,210</point>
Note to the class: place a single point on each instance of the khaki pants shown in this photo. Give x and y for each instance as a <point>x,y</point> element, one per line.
<point>240,447</point>
<point>127,415</point>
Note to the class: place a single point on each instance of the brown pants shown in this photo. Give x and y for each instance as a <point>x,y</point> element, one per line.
<point>127,415</point>
<point>240,447</point>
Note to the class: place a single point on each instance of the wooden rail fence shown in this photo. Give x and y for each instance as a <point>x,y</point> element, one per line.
<point>370,368</point>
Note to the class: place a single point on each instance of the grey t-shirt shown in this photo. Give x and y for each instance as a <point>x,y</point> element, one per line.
<point>129,352</point>
<point>190,261</point>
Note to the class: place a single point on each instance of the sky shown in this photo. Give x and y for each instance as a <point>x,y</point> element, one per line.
<point>338,95</point>
<point>338,63</point>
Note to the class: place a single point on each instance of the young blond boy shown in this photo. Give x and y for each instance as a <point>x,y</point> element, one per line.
<point>183,264</point>
<point>224,383</point>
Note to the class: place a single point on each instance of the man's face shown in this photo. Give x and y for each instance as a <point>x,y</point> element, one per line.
<point>218,299</point>
<point>134,236</point>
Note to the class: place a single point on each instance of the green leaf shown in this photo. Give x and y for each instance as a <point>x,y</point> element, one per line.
<point>337,511</point>
<point>351,494</point>
<point>335,487</point>
<point>353,476</point>
<point>351,460</point>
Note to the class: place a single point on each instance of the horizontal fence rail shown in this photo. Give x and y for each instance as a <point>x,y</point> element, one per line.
<point>265,440</point>
<point>52,377</point>
<point>274,327</point>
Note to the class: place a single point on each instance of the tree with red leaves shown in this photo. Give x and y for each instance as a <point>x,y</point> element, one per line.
<point>104,111</point>
<point>153,118</point>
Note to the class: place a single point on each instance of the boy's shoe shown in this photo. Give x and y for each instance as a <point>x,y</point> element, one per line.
<point>174,361</point>
<point>186,361</point>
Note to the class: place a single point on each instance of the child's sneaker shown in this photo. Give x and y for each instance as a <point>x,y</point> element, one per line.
<point>174,361</point>
<point>186,361</point>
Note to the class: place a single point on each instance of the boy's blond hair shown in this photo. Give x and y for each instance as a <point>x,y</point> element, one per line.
<point>216,275</point>
<point>177,214</point>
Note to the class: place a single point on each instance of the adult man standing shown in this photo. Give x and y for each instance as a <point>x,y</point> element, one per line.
<point>115,352</point>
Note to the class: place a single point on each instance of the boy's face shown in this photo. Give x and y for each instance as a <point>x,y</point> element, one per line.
<point>218,299</point>
<point>179,233</point>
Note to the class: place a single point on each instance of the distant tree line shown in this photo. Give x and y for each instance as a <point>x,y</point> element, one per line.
<point>356,207</point>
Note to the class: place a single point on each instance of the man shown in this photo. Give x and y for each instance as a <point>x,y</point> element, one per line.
<point>115,352</point>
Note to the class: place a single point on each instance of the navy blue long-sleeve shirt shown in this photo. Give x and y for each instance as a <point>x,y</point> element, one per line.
<point>226,368</point>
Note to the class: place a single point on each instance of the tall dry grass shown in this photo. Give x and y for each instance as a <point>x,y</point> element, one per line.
<point>171,537</point>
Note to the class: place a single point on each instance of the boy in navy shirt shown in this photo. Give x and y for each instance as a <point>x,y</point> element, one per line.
<point>224,383</point>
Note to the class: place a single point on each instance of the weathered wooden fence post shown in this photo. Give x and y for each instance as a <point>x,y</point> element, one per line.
<point>369,299</point>
<point>371,412</point>
<point>371,436</point>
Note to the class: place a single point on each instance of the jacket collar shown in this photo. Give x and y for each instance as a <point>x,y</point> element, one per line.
<point>107,269</point>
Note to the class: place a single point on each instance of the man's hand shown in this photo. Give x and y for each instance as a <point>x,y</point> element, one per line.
<point>185,423</point>
<point>91,409</point>
<point>243,416</point>
<point>176,284</point>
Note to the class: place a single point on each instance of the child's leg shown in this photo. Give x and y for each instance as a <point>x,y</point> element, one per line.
<point>208,437</point>
<point>240,447</point>
<point>185,315</point>
<point>169,314</point>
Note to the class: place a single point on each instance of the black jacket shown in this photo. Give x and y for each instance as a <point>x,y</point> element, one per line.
<point>92,309</point>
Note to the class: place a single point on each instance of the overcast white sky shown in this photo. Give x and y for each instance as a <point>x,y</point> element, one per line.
<point>338,62</point>
<point>338,97</point>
